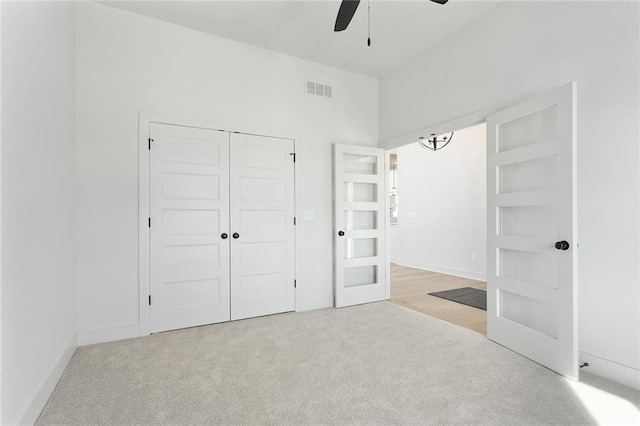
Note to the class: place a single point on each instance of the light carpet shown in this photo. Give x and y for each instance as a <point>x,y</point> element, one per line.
<point>372,364</point>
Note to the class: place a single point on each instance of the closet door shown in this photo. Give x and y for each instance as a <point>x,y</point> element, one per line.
<point>189,221</point>
<point>262,226</point>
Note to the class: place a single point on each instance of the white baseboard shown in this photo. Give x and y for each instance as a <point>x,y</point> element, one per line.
<point>442,270</point>
<point>318,303</point>
<point>610,370</point>
<point>40,398</point>
<point>108,334</point>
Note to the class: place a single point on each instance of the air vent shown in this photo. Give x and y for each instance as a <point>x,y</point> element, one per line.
<point>311,88</point>
<point>319,89</point>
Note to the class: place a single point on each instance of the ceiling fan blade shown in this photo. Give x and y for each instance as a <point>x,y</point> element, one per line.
<point>440,1</point>
<point>345,13</point>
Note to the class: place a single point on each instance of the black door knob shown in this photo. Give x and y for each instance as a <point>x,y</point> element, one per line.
<point>562,245</point>
<point>236,235</point>
<point>224,236</point>
<point>341,233</point>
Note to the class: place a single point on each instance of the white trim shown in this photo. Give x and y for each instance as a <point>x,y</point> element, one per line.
<point>108,334</point>
<point>387,225</point>
<point>442,270</point>
<point>144,120</point>
<point>144,212</point>
<point>610,370</point>
<point>40,398</point>
<point>318,303</point>
<point>212,124</point>
<point>440,128</point>
<point>1,220</point>
<point>297,208</point>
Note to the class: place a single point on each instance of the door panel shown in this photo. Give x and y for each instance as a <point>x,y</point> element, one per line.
<point>189,211</point>
<point>360,225</point>
<point>262,216</point>
<point>531,284</point>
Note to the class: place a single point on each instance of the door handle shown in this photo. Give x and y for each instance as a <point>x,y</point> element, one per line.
<point>224,236</point>
<point>341,233</point>
<point>236,235</point>
<point>562,245</point>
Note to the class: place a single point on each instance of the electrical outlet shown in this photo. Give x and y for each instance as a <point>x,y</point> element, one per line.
<point>474,257</point>
<point>412,215</point>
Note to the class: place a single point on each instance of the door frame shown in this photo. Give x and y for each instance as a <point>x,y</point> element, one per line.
<point>144,276</point>
<point>448,126</point>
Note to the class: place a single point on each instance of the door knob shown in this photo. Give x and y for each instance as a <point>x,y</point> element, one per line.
<point>341,233</point>
<point>224,236</point>
<point>562,245</point>
<point>236,235</point>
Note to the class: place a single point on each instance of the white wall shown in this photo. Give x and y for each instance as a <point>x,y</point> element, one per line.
<point>443,205</point>
<point>38,219</point>
<point>1,8</point>
<point>521,49</point>
<point>128,63</point>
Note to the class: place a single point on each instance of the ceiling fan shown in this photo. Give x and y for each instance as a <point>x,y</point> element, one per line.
<point>348,9</point>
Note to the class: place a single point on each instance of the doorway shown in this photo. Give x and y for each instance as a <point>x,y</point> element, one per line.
<point>411,288</point>
<point>531,202</point>
<point>438,227</point>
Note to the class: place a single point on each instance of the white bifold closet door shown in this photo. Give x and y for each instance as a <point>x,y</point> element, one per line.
<point>222,226</point>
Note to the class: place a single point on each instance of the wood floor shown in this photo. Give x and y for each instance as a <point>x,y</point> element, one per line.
<point>410,288</point>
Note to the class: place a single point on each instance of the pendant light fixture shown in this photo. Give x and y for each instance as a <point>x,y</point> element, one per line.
<point>435,143</point>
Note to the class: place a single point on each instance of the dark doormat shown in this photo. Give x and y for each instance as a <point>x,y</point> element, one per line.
<point>467,296</point>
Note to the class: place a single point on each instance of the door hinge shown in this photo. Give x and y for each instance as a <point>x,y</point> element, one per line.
<point>294,221</point>
<point>295,284</point>
<point>150,140</point>
<point>149,300</point>
<point>149,222</point>
<point>294,156</point>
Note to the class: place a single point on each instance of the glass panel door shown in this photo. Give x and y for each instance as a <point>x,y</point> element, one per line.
<point>360,224</point>
<point>531,281</point>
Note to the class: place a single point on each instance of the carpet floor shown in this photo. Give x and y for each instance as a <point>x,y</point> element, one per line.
<point>371,364</point>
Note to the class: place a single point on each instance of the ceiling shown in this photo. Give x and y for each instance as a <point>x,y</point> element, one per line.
<point>399,29</point>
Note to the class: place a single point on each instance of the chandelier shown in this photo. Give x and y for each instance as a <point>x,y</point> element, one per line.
<point>434,143</point>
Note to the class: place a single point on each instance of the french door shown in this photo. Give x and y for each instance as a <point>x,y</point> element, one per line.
<point>360,221</point>
<point>189,213</point>
<point>222,230</point>
<point>262,221</point>
<point>531,274</point>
